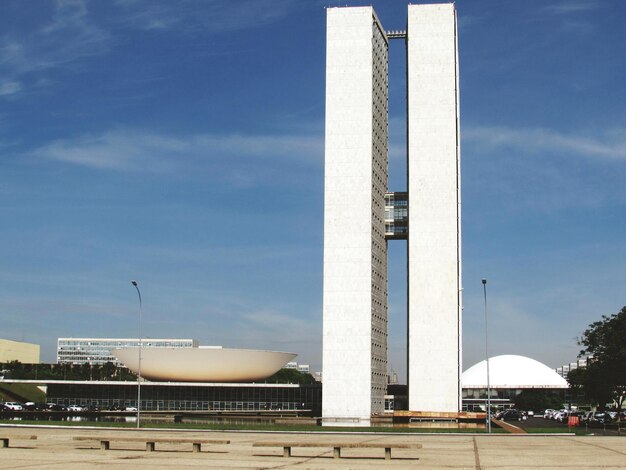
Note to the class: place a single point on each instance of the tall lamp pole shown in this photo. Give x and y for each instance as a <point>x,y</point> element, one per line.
<point>134,283</point>
<point>487,357</point>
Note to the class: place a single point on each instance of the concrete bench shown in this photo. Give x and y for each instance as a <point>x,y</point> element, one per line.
<point>105,441</point>
<point>337,446</point>
<point>4,441</point>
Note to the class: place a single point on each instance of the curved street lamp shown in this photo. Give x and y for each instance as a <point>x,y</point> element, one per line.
<point>487,357</point>
<point>134,283</point>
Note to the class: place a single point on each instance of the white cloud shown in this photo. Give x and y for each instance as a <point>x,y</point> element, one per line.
<point>542,170</point>
<point>117,150</point>
<point>571,6</point>
<point>291,332</point>
<point>611,146</point>
<point>209,15</point>
<point>570,17</point>
<point>276,322</point>
<point>70,35</point>
<point>69,14</point>
<point>73,32</point>
<point>240,159</point>
<point>10,88</point>
<point>235,322</point>
<point>467,22</point>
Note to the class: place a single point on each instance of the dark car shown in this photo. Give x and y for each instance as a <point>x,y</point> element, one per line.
<point>30,406</point>
<point>511,415</point>
<point>585,417</point>
<point>598,418</point>
<point>55,407</point>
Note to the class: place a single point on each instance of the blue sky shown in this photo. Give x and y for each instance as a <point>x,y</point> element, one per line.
<point>181,144</point>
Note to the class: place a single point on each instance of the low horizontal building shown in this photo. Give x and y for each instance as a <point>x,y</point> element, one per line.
<point>304,368</point>
<point>186,396</point>
<point>99,350</point>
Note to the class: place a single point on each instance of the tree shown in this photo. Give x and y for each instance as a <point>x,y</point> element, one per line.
<point>604,378</point>
<point>538,400</point>
<point>293,376</point>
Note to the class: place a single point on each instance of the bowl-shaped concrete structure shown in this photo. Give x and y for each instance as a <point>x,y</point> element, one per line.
<point>203,364</point>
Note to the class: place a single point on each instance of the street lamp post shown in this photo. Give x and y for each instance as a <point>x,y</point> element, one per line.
<point>134,283</point>
<point>487,357</point>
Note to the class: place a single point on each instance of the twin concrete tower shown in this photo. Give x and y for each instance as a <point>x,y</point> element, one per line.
<point>361,215</point>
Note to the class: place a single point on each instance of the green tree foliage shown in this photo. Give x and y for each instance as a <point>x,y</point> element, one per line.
<point>538,400</point>
<point>604,378</point>
<point>287,376</point>
<point>108,371</point>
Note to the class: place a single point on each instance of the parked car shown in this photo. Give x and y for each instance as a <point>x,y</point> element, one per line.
<point>598,418</point>
<point>511,415</point>
<point>560,415</point>
<point>32,406</point>
<point>55,407</point>
<point>548,413</point>
<point>530,413</point>
<point>585,417</point>
<point>74,408</point>
<point>13,406</point>
<point>612,416</point>
<point>131,408</point>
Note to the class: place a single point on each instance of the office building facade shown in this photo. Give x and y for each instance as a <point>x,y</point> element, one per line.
<point>255,398</point>
<point>99,350</point>
<point>361,215</point>
<point>355,250</point>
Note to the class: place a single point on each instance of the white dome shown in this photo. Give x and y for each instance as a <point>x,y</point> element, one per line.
<point>509,371</point>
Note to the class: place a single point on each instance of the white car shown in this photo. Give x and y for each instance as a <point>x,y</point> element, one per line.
<point>12,405</point>
<point>548,413</point>
<point>75,408</point>
<point>131,408</point>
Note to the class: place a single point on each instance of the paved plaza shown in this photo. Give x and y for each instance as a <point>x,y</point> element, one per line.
<point>56,449</point>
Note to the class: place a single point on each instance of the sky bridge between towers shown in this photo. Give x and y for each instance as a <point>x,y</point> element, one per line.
<point>396,34</point>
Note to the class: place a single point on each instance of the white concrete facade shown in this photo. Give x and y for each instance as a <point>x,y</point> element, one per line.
<point>355,247</point>
<point>26,353</point>
<point>355,250</point>
<point>99,350</point>
<point>434,250</point>
<point>203,363</point>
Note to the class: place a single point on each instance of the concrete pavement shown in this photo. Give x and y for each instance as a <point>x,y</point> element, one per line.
<point>55,449</point>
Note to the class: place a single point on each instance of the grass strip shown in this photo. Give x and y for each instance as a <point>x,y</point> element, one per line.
<point>21,392</point>
<point>250,427</point>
